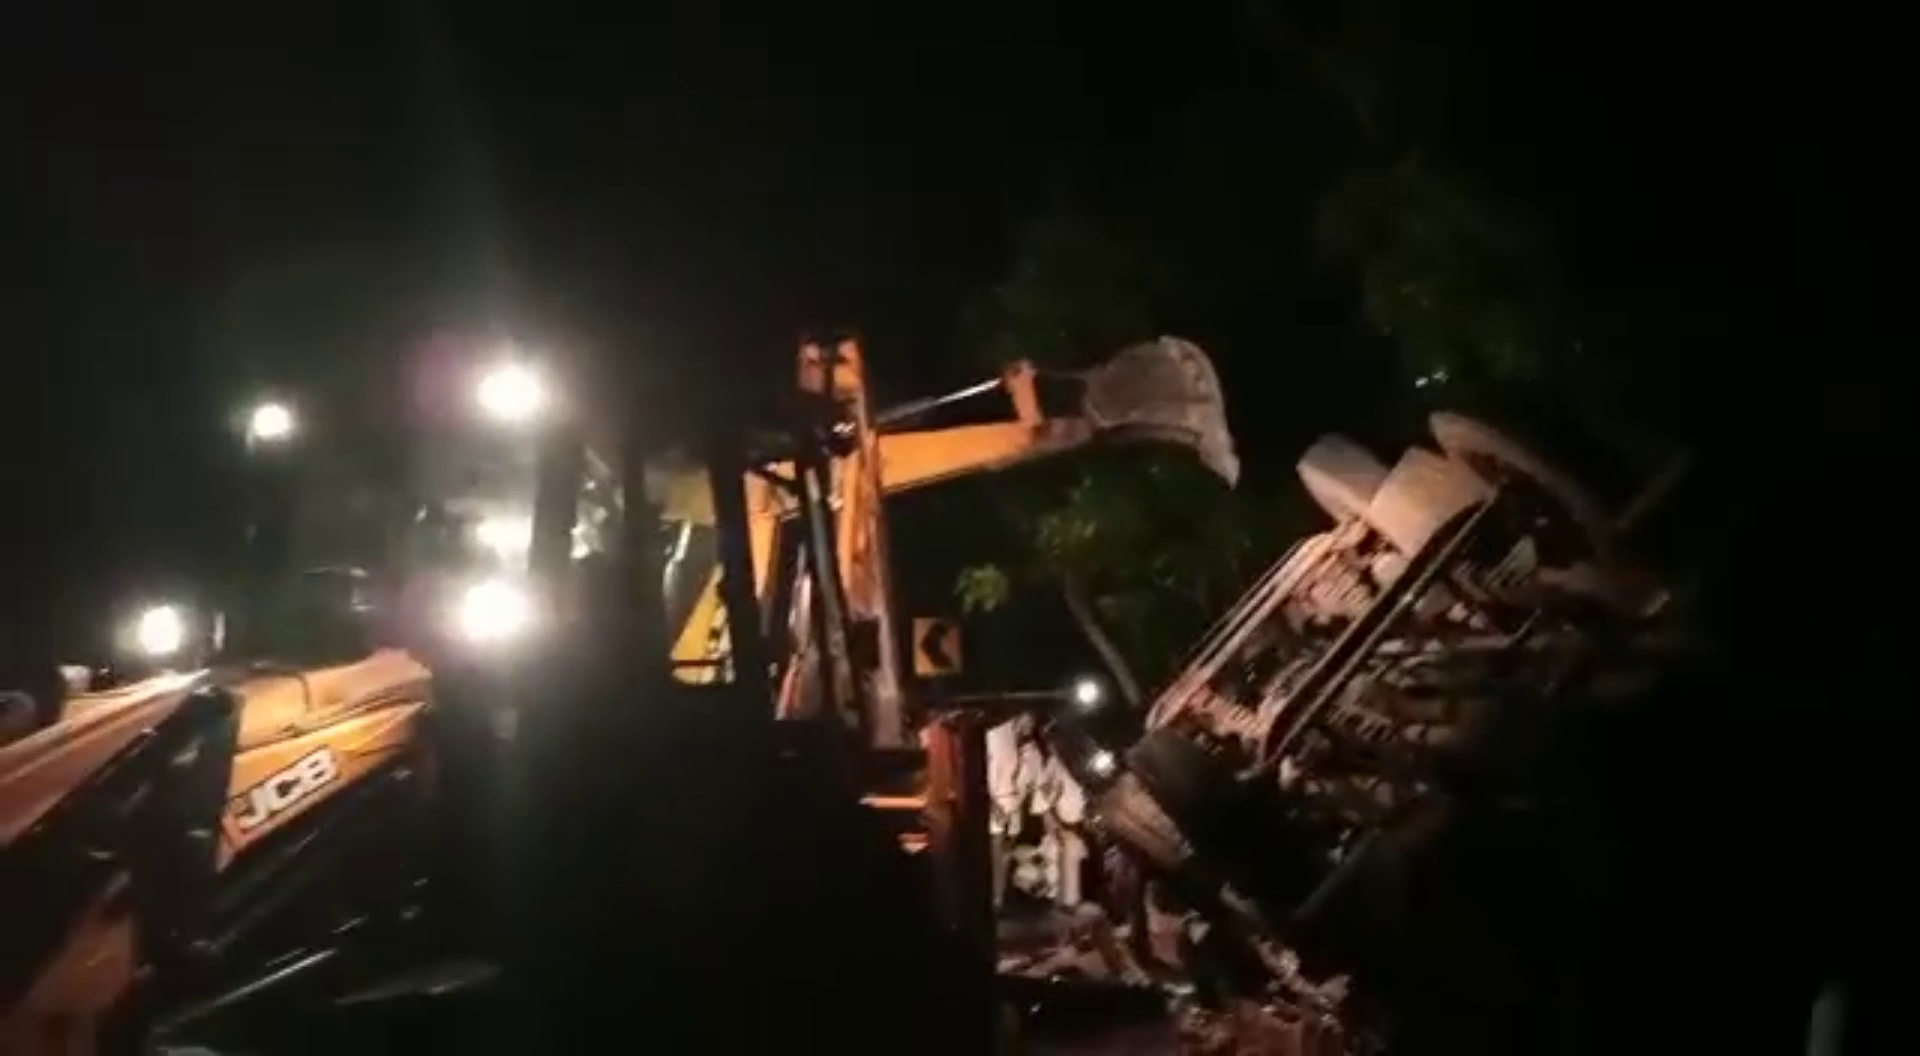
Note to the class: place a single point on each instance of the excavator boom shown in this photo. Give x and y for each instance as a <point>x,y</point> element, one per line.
<point>1160,391</point>
<point>1163,391</point>
<point>173,844</point>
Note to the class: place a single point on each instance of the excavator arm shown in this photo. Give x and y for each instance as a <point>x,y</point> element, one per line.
<point>1163,391</point>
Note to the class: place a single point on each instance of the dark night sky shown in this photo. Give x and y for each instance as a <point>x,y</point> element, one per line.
<point>686,181</point>
<point>672,183</point>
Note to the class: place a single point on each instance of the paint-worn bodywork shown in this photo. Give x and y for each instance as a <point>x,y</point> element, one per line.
<point>155,831</point>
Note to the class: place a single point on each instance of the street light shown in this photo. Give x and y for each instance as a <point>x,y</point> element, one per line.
<point>512,393</point>
<point>1088,693</point>
<point>271,422</point>
<point>1102,763</point>
<point>160,631</point>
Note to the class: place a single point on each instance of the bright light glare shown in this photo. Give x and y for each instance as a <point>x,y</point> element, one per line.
<point>507,536</point>
<point>270,423</point>
<point>1102,763</point>
<point>494,611</point>
<point>1088,693</point>
<point>160,631</point>
<point>512,393</point>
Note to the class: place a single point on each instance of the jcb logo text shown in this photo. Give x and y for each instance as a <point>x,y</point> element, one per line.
<point>279,793</point>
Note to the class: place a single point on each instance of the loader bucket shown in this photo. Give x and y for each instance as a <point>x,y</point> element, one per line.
<point>1163,390</point>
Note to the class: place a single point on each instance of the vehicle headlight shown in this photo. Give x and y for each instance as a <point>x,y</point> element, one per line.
<point>513,394</point>
<point>495,612</point>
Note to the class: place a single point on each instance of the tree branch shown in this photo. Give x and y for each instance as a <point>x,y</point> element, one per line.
<point>1117,667</point>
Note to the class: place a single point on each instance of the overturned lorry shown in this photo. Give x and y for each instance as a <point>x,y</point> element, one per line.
<point>1378,676</point>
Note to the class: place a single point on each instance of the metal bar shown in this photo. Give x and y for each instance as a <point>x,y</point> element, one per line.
<point>915,408</point>
<point>830,603</point>
<point>778,613</point>
<point>726,477</point>
<point>872,564</point>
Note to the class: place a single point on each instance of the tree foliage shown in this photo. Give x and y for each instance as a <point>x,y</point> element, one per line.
<point>1313,230</point>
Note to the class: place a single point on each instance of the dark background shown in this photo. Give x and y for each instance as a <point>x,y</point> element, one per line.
<point>665,185</point>
<point>679,189</point>
<point>673,184</point>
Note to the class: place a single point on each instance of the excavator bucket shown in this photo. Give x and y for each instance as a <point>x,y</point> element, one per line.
<point>1164,390</point>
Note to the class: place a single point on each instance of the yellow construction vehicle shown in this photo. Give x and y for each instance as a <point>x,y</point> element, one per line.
<point>178,844</point>
<point>1162,391</point>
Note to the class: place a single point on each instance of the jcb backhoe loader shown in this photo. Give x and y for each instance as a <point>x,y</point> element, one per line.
<point>184,843</point>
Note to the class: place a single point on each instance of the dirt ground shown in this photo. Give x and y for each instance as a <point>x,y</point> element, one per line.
<point>1119,1008</point>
